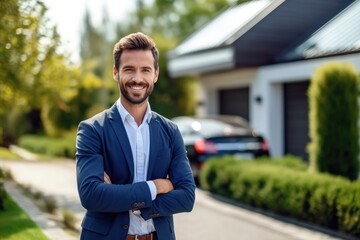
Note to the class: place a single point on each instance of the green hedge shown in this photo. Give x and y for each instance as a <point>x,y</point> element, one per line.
<point>325,200</point>
<point>51,146</point>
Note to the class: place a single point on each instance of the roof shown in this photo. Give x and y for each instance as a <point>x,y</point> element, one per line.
<point>251,34</point>
<point>340,35</point>
<point>222,28</point>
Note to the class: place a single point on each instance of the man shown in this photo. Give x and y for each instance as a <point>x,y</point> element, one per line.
<point>132,169</point>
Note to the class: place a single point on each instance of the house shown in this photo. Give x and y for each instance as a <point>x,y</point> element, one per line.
<point>256,60</point>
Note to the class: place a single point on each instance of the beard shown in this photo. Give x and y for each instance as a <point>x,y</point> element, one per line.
<point>136,98</point>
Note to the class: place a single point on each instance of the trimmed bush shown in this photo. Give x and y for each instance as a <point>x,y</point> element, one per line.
<point>333,119</point>
<point>289,161</point>
<point>322,199</point>
<point>348,209</point>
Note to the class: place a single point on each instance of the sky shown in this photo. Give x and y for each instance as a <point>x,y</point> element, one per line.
<point>68,15</point>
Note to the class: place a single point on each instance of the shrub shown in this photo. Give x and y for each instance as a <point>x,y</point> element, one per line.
<point>51,146</point>
<point>289,161</point>
<point>69,218</point>
<point>323,199</point>
<point>348,208</point>
<point>50,204</point>
<point>333,118</point>
<point>14,124</point>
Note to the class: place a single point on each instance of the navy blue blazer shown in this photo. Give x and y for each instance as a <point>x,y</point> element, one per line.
<point>102,145</point>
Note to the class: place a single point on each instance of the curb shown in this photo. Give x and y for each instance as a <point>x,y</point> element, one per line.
<point>49,227</point>
<point>23,153</point>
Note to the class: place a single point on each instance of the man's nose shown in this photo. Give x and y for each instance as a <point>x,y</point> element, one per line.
<point>137,76</point>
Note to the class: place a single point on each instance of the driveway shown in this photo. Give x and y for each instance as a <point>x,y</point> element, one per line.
<point>211,219</point>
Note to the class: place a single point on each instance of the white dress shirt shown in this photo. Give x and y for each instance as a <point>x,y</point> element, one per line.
<point>139,138</point>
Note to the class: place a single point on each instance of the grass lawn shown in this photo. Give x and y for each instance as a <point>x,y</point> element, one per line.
<point>15,224</point>
<point>6,154</point>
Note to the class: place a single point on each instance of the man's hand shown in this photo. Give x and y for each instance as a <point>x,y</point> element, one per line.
<point>106,178</point>
<point>163,185</point>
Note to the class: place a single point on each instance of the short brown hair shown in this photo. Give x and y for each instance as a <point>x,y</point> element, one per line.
<point>135,41</point>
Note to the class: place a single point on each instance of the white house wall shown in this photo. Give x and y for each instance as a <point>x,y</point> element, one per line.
<point>209,85</point>
<point>265,82</point>
<point>268,117</point>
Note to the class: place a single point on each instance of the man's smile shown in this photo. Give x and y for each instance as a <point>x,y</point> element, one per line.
<point>137,87</point>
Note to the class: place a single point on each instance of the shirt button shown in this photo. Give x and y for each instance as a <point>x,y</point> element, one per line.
<point>125,227</point>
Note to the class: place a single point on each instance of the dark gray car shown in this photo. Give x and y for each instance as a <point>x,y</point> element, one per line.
<point>205,137</point>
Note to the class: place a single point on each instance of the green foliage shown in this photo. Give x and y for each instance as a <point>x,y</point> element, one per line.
<point>49,204</point>
<point>15,223</point>
<point>97,60</point>
<point>69,218</point>
<point>28,43</point>
<point>51,146</point>
<point>348,207</point>
<point>16,122</point>
<point>170,92</point>
<point>322,199</point>
<point>334,110</point>
<point>289,161</point>
<point>34,76</point>
<point>2,189</point>
<point>176,19</point>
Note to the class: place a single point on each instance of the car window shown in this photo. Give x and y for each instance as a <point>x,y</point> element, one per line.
<point>209,126</point>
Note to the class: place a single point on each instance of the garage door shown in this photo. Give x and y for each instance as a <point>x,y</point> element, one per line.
<point>296,122</point>
<point>234,102</point>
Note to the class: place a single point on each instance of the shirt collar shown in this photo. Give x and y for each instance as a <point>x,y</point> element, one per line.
<point>124,114</point>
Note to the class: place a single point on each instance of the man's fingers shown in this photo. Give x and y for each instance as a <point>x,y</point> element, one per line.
<point>170,185</point>
<point>107,178</point>
<point>163,185</point>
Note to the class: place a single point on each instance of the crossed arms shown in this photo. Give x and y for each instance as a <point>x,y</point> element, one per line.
<point>98,193</point>
<point>162,185</point>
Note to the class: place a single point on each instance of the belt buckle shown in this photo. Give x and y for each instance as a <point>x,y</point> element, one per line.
<point>136,237</point>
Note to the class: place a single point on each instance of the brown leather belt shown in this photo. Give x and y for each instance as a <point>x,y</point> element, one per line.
<point>150,236</point>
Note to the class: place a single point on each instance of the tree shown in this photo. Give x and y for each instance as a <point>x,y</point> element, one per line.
<point>96,58</point>
<point>39,88</point>
<point>26,44</point>
<point>334,110</point>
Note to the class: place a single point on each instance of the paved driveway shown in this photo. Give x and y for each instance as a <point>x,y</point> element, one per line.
<point>211,219</point>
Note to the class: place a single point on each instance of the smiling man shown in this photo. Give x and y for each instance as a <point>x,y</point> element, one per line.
<point>132,170</point>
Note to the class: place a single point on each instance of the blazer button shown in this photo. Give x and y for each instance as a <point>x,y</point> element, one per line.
<point>125,227</point>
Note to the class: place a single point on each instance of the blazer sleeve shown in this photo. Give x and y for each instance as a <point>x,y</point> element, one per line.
<point>182,198</point>
<point>94,194</point>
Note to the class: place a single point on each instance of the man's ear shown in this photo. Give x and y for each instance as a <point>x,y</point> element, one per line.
<point>115,74</point>
<point>156,75</point>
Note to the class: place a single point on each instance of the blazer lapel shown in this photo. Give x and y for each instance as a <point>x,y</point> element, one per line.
<point>154,136</point>
<point>120,132</point>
